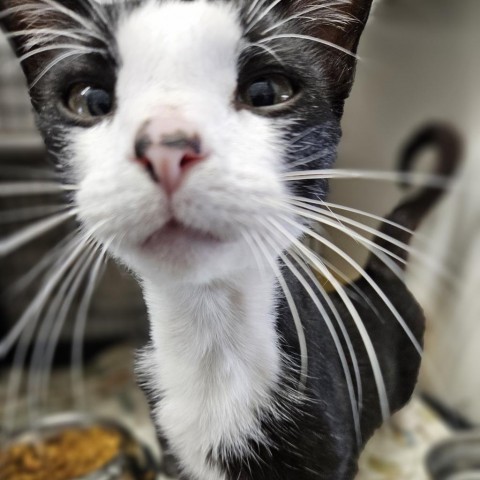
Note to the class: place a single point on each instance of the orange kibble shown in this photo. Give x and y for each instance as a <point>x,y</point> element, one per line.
<point>72,453</point>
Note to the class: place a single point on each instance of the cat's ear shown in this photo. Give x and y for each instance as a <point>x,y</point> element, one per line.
<point>354,14</point>
<point>339,23</point>
<point>40,30</point>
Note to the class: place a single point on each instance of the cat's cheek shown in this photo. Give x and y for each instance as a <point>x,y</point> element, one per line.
<point>116,213</point>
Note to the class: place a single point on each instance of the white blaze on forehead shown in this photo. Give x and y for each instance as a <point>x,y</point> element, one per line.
<point>179,46</point>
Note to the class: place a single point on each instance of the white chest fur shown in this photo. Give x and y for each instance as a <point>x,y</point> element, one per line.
<point>215,361</point>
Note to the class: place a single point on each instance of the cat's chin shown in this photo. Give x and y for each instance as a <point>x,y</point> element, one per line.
<point>179,254</point>
<point>175,237</point>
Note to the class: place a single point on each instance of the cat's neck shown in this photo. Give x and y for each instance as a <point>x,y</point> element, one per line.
<point>215,361</point>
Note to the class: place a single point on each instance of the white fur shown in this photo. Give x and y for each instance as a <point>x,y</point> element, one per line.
<point>215,359</point>
<point>184,57</point>
<point>215,362</point>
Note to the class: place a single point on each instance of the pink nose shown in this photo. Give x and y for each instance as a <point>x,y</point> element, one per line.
<point>168,148</point>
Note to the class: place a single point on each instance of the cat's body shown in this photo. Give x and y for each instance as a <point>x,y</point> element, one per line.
<point>289,435</point>
<point>180,124</point>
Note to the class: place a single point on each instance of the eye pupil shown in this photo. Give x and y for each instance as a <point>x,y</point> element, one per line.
<point>89,102</point>
<point>266,91</point>
<point>99,102</point>
<point>261,93</point>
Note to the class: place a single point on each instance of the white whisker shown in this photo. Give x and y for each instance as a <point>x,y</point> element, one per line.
<point>378,218</point>
<point>9,340</point>
<point>352,286</point>
<point>364,274</point>
<point>293,309</point>
<point>97,9</point>
<point>338,319</point>
<point>57,320</point>
<point>253,5</point>
<point>269,50</point>
<point>300,136</point>
<point>26,235</point>
<point>310,39</point>
<point>50,66</point>
<point>73,48</point>
<point>304,161</point>
<point>249,241</point>
<point>260,17</point>
<point>22,214</point>
<point>421,256</point>
<point>29,322</point>
<point>17,189</point>
<point>315,261</point>
<point>79,329</point>
<point>51,256</point>
<point>326,318</point>
<point>337,18</point>
<point>35,10</point>
<point>254,9</point>
<point>87,25</point>
<point>429,180</point>
<point>43,35</point>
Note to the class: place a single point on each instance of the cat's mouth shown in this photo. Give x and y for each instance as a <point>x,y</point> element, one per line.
<point>174,234</point>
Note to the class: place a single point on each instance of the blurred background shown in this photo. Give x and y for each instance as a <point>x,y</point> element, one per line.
<point>420,63</point>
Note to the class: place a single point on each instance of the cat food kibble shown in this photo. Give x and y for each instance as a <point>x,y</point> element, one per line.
<point>65,456</point>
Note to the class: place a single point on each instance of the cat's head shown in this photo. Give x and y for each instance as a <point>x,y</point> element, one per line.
<point>176,120</point>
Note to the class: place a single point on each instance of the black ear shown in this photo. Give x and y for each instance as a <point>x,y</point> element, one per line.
<point>352,17</point>
<point>340,23</point>
<point>42,31</point>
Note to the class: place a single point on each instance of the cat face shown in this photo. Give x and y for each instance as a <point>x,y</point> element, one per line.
<point>176,120</point>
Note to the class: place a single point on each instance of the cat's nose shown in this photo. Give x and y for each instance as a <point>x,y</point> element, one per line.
<point>168,151</point>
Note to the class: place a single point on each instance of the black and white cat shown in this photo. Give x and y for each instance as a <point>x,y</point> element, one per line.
<point>199,136</point>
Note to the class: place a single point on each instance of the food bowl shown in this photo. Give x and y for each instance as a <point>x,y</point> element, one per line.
<point>456,459</point>
<point>75,447</point>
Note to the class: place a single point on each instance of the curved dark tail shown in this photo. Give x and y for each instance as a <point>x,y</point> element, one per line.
<point>410,213</point>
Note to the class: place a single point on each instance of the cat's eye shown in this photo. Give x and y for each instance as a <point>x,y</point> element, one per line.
<point>266,91</point>
<point>86,101</point>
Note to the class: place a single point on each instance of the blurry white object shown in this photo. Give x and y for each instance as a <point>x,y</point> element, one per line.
<point>397,451</point>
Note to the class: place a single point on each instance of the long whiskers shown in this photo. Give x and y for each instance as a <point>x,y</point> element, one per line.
<point>79,330</point>
<point>52,325</point>
<point>34,11</point>
<point>363,273</point>
<point>17,189</point>
<point>27,234</point>
<point>22,214</point>
<point>71,47</point>
<point>333,16</point>
<point>9,340</point>
<point>339,222</point>
<point>45,35</point>
<point>26,326</point>
<point>316,262</point>
<point>31,275</point>
<point>254,8</point>
<point>268,50</point>
<point>293,309</point>
<point>258,18</point>
<point>407,178</point>
<point>309,38</point>
<point>355,404</point>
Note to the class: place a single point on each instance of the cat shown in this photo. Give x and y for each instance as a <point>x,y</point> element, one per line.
<point>196,139</point>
